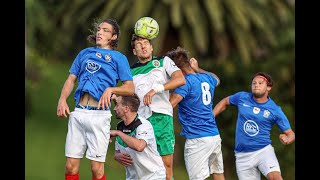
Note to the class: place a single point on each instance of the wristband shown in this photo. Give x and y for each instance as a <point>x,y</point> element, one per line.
<point>159,88</point>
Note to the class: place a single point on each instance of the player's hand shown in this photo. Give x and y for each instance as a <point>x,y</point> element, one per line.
<point>147,99</point>
<point>63,109</point>
<point>123,159</point>
<point>105,99</point>
<point>284,139</point>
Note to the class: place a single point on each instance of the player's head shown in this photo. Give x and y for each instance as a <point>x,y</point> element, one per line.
<point>264,76</point>
<point>141,47</point>
<point>114,30</point>
<point>125,105</point>
<point>180,57</point>
<point>261,84</point>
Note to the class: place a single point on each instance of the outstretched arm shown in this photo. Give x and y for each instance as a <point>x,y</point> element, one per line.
<point>288,137</point>
<point>177,79</point>
<point>126,89</point>
<point>195,66</point>
<point>221,106</point>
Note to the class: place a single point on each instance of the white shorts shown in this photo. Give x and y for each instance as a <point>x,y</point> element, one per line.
<point>250,164</point>
<point>88,131</point>
<point>203,156</point>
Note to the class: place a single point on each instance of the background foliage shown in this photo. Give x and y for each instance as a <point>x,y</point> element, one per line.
<point>233,39</point>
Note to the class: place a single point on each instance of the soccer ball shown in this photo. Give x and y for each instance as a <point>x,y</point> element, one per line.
<point>146,27</point>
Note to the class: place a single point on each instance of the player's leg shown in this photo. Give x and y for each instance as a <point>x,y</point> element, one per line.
<point>216,160</point>
<point>75,146</point>
<point>246,166</point>
<point>97,169</point>
<point>168,164</point>
<point>165,138</point>
<point>72,168</point>
<point>268,163</point>
<point>97,136</point>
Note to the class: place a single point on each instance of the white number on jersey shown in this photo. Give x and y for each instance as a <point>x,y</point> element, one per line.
<point>206,96</point>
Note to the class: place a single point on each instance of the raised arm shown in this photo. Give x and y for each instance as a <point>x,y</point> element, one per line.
<point>195,66</point>
<point>221,106</point>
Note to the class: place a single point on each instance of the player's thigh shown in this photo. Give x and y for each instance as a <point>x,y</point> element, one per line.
<point>216,158</point>
<point>268,161</point>
<point>197,153</point>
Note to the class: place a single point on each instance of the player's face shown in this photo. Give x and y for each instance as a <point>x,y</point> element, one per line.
<point>143,49</point>
<point>104,35</point>
<point>259,87</point>
<point>119,108</point>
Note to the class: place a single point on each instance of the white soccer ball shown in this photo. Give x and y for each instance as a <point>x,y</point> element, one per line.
<point>146,27</point>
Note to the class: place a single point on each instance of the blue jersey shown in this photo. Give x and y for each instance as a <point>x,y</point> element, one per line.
<point>195,109</point>
<point>255,121</point>
<point>98,69</point>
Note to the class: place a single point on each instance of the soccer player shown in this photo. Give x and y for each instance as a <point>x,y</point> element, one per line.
<point>153,77</point>
<point>257,113</point>
<point>135,145</point>
<point>97,69</point>
<point>202,150</point>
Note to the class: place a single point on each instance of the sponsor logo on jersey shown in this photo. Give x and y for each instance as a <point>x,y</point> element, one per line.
<point>92,66</point>
<point>256,110</point>
<point>108,57</point>
<point>251,128</point>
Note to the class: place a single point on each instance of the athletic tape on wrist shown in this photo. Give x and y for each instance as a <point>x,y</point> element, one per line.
<point>159,88</point>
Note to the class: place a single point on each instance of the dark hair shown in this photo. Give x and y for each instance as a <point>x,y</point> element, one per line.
<point>266,76</point>
<point>180,57</point>
<point>132,101</point>
<point>134,38</point>
<point>116,31</point>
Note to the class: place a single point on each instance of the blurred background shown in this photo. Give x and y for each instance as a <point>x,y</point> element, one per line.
<point>233,39</point>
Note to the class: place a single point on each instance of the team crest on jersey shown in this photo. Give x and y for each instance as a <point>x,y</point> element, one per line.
<point>92,66</point>
<point>108,57</point>
<point>155,63</point>
<point>256,110</point>
<point>266,113</point>
<point>98,55</point>
<point>251,128</point>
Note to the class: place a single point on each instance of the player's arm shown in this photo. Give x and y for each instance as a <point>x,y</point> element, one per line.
<point>177,79</point>
<point>175,99</point>
<point>288,137</point>
<point>133,143</point>
<point>68,86</point>
<point>195,66</point>
<point>221,106</point>
<point>126,89</point>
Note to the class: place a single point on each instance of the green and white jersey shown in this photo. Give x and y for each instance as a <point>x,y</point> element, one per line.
<point>148,164</point>
<point>149,75</point>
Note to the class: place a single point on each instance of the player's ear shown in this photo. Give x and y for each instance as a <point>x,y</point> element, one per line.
<point>134,51</point>
<point>269,88</point>
<point>114,37</point>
